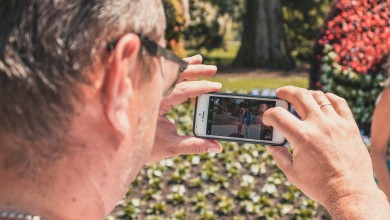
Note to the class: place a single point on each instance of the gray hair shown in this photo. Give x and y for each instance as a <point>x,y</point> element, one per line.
<point>46,46</point>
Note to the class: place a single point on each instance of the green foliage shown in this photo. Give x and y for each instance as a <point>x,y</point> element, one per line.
<point>303,21</point>
<point>232,8</point>
<point>225,205</point>
<point>209,21</point>
<point>361,91</point>
<point>220,56</point>
<point>249,83</point>
<point>179,215</point>
<point>175,20</point>
<point>212,21</point>
<point>176,25</point>
<point>157,208</point>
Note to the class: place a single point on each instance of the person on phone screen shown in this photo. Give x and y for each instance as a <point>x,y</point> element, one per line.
<point>241,114</point>
<point>247,121</point>
<point>380,141</point>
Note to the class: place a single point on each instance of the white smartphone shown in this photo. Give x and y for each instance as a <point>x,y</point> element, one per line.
<point>235,117</point>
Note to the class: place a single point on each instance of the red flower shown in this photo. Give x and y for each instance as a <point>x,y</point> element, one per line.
<point>359,34</point>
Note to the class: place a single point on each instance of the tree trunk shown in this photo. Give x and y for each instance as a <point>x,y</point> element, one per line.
<point>263,42</point>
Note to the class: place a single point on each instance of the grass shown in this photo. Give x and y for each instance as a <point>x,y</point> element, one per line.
<point>220,56</point>
<point>234,83</point>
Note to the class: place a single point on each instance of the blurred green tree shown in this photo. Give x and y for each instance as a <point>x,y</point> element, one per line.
<point>209,22</point>
<point>212,22</point>
<point>176,24</point>
<point>263,42</point>
<point>303,20</point>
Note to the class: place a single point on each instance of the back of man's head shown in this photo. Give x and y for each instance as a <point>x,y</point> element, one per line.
<point>48,48</point>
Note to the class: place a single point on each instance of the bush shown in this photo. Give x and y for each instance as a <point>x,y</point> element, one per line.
<point>176,25</point>
<point>210,22</point>
<point>360,90</point>
<point>303,20</point>
<point>356,44</point>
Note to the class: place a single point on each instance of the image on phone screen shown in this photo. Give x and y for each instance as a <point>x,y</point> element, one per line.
<point>238,118</point>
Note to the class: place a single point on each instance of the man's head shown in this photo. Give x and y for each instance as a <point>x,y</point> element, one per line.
<point>69,100</point>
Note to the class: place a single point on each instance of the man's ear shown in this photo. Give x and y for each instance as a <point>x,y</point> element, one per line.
<point>118,87</point>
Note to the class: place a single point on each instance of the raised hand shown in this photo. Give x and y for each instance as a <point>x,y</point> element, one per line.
<point>168,142</point>
<point>330,162</point>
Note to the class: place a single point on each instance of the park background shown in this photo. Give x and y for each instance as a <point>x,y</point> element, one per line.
<point>336,46</point>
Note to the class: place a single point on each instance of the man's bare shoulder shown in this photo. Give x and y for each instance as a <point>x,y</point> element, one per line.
<point>384,101</point>
<point>386,93</point>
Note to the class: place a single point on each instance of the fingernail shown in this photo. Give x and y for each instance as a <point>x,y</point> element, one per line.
<point>216,84</point>
<point>269,148</point>
<point>214,148</point>
<point>197,56</point>
<point>212,67</point>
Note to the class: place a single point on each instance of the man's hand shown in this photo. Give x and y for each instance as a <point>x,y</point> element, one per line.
<point>167,141</point>
<point>330,162</point>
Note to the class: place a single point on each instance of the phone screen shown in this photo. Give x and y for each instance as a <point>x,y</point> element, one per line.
<point>238,118</point>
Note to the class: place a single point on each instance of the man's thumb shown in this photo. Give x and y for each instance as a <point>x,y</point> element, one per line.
<point>192,145</point>
<point>283,158</point>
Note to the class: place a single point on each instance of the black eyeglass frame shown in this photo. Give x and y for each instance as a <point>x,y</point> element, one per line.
<point>156,50</point>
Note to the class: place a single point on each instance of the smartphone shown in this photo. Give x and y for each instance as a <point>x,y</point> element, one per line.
<point>235,117</point>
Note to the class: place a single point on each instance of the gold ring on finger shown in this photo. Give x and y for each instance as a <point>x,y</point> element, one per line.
<point>323,104</point>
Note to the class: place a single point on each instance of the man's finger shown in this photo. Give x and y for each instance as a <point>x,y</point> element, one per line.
<point>283,158</point>
<point>199,70</point>
<point>341,106</point>
<point>284,122</point>
<point>196,59</point>
<point>301,99</point>
<point>321,99</point>
<point>187,145</point>
<point>185,90</point>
